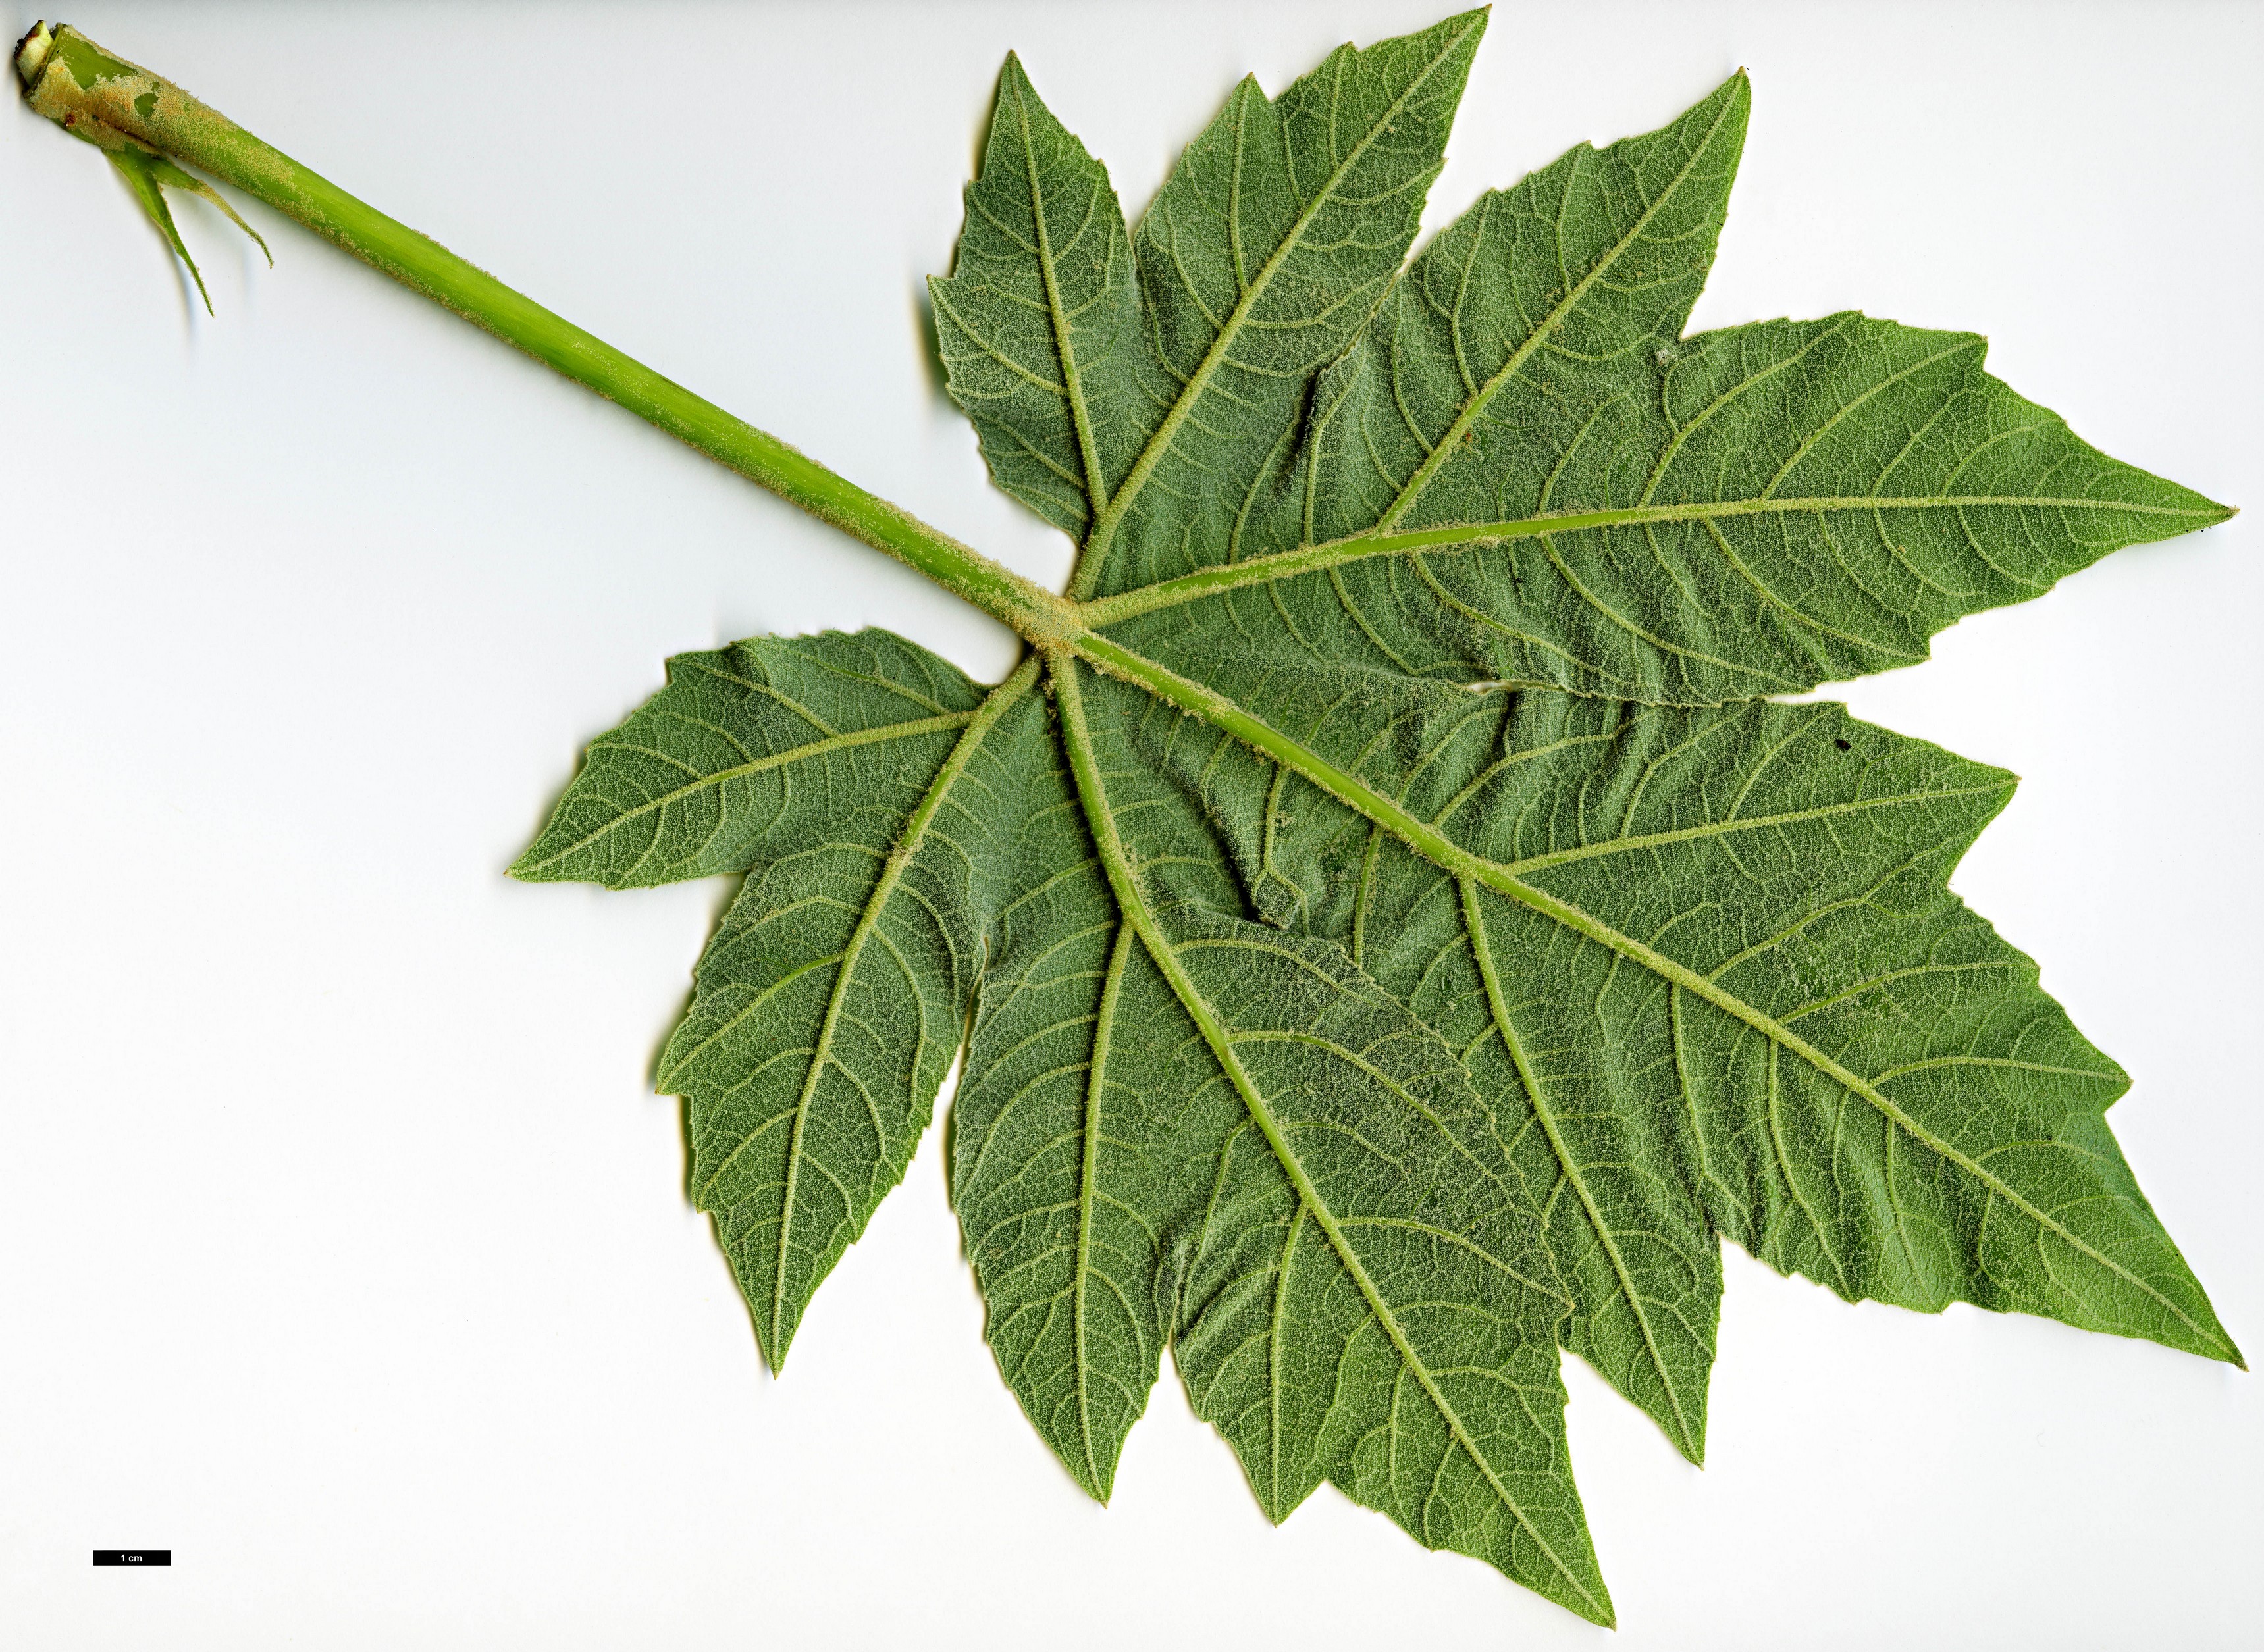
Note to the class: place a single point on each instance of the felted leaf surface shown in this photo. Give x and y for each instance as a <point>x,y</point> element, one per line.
<point>1145,423</point>
<point>1087,1125</point>
<point>1521,474</point>
<point>1176,1123</point>
<point>1039,323</point>
<point>1391,933</point>
<point>755,749</point>
<point>860,782</point>
<point>1924,490</point>
<point>1819,1052</point>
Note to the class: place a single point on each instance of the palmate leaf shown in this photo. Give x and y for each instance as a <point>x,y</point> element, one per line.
<point>1391,933</point>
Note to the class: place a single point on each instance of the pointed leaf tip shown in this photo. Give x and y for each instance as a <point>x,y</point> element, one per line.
<point>144,179</point>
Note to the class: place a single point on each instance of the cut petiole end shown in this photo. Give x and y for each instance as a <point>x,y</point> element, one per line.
<point>49,66</point>
<point>32,52</point>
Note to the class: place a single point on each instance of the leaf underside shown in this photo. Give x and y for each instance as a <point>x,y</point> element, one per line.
<point>1488,945</point>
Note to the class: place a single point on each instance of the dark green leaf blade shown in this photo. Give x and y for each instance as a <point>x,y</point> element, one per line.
<point>1367,1303</point>
<point>753,750</point>
<point>1409,1357</point>
<point>1780,506</point>
<point>1879,1094</point>
<point>1574,1096</point>
<point>1065,1176</point>
<point>1508,472</point>
<point>858,778</point>
<point>1856,486</point>
<point>1518,472</point>
<point>1539,303</point>
<point>1733,927</point>
<point>1265,253</point>
<point>1578,1100</point>
<point>1040,320</point>
<point>830,1003</point>
<point>1087,1124</point>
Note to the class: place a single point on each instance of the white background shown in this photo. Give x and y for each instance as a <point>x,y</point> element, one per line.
<point>343,1247</point>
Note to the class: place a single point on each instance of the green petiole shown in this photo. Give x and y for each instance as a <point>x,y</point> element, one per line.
<point>126,110</point>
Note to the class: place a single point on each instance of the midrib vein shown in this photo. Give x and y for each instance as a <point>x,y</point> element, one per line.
<point>1307,559</point>
<point>891,873</point>
<point>1524,352</point>
<point>1095,554</point>
<point>1077,737</point>
<point>1096,484</point>
<point>1434,845</point>
<point>1482,951</point>
<point>1089,1171</point>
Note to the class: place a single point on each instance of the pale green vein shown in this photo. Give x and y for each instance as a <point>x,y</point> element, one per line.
<point>1752,823</point>
<point>994,707</point>
<point>1274,1339</point>
<point>2000,1060</point>
<point>1307,559</point>
<point>1096,482</point>
<point>1089,1182</point>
